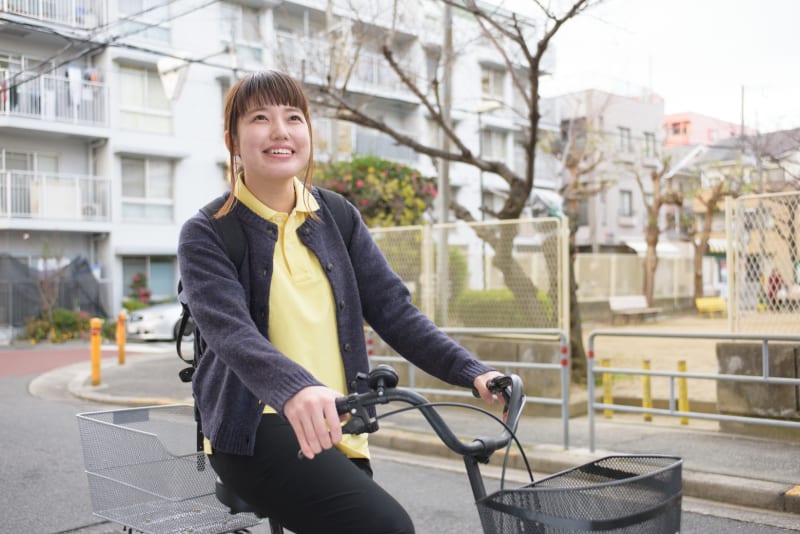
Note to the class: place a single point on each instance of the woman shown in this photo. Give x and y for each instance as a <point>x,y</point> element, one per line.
<point>285,333</point>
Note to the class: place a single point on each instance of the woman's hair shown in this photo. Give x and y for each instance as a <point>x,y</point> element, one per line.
<point>259,89</point>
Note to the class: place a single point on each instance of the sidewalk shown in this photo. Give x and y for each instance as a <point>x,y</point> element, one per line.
<point>722,467</point>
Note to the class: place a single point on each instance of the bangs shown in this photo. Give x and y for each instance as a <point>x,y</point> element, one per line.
<point>269,88</point>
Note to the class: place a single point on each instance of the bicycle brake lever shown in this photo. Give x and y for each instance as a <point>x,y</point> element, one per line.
<point>498,384</point>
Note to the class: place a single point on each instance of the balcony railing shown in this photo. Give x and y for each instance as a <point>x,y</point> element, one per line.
<point>53,98</point>
<point>85,14</point>
<point>62,197</point>
<point>308,58</point>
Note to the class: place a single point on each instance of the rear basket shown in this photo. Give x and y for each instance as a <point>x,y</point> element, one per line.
<point>145,472</point>
<point>615,494</point>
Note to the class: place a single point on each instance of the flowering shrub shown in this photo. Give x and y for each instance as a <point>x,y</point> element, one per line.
<point>386,193</point>
<point>65,325</point>
<point>138,287</point>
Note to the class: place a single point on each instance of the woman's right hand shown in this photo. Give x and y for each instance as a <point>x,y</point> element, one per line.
<point>314,419</point>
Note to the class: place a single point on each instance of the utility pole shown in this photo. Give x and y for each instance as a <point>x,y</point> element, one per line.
<point>442,269</point>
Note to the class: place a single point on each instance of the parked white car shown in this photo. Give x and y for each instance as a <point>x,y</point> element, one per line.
<point>159,322</point>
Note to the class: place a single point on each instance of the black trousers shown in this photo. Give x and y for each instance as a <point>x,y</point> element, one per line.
<point>329,494</point>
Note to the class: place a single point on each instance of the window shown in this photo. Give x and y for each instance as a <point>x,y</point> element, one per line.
<point>649,144</point>
<point>160,273</point>
<point>241,24</point>
<point>625,203</point>
<point>143,103</point>
<point>624,139</point>
<point>147,189</point>
<point>493,83</point>
<point>145,19</point>
<point>493,144</point>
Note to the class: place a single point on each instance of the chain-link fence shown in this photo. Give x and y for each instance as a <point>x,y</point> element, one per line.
<point>765,295</point>
<point>512,277</point>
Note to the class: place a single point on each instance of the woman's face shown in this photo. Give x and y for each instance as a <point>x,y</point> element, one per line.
<point>274,143</point>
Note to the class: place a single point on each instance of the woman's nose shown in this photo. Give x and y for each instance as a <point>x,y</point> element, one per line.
<point>279,130</point>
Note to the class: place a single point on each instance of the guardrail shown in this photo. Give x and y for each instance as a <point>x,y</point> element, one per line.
<point>529,334</point>
<point>764,378</point>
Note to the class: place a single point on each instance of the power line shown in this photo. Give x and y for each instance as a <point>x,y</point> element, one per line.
<point>99,46</point>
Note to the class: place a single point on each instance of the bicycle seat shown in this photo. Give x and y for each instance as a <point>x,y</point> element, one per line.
<point>235,503</point>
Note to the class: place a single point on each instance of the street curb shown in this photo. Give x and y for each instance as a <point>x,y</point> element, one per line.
<point>714,487</point>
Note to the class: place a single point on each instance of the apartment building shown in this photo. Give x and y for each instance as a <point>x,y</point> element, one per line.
<point>618,137</point>
<point>108,142</point>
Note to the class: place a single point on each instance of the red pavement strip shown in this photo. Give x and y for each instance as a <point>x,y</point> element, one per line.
<point>18,362</point>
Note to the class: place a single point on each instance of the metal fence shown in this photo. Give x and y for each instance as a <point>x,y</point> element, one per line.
<point>544,354</point>
<point>764,377</point>
<point>78,13</point>
<point>764,247</point>
<point>25,194</point>
<point>461,281</point>
<point>53,98</point>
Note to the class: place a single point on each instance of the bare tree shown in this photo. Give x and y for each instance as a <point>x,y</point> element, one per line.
<point>663,194</point>
<point>579,149</point>
<point>521,45</point>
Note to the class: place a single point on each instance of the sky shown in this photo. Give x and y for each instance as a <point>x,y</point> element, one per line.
<point>699,55</point>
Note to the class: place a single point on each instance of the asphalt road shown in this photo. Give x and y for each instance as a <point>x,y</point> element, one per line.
<point>46,489</point>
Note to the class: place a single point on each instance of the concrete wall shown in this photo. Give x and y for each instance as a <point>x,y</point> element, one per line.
<point>774,401</point>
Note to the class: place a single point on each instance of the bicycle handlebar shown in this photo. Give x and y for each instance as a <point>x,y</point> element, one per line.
<point>385,391</point>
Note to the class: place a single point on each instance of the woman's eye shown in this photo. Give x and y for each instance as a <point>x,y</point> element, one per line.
<point>296,118</point>
<point>260,117</point>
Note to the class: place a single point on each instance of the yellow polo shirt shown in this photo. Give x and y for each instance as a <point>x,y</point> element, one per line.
<point>302,319</point>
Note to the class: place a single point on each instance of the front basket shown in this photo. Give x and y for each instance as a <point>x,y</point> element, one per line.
<point>615,494</point>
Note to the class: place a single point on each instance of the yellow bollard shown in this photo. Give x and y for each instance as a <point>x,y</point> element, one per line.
<point>608,396</point>
<point>647,394</point>
<point>95,325</point>
<point>683,393</point>
<point>120,334</point>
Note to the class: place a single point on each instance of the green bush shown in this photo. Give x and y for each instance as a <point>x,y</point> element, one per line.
<point>109,329</point>
<point>489,308</point>
<point>66,325</point>
<point>385,192</point>
<point>133,305</point>
<point>495,308</point>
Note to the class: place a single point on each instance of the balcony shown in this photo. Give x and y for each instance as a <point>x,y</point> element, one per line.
<point>53,99</point>
<point>81,14</point>
<point>308,59</point>
<point>27,197</point>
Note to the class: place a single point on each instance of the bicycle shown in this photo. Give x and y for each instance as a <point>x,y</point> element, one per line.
<point>153,485</point>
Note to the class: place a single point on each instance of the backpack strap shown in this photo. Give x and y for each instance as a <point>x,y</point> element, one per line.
<point>341,213</point>
<point>228,228</point>
<point>231,232</point>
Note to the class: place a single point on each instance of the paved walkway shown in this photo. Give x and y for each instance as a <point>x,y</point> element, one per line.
<point>748,471</point>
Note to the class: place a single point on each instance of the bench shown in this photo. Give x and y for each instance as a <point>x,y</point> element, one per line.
<point>711,305</point>
<point>631,306</point>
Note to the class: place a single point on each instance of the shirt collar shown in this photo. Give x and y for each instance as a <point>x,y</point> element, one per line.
<point>304,201</point>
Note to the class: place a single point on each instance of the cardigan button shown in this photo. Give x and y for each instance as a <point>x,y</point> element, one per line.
<point>346,347</point>
<point>329,267</point>
<point>341,304</point>
<point>306,231</point>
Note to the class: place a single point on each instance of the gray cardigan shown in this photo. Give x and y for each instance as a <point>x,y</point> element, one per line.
<point>239,368</point>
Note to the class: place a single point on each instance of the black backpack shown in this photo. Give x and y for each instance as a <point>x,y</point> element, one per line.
<point>232,234</point>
